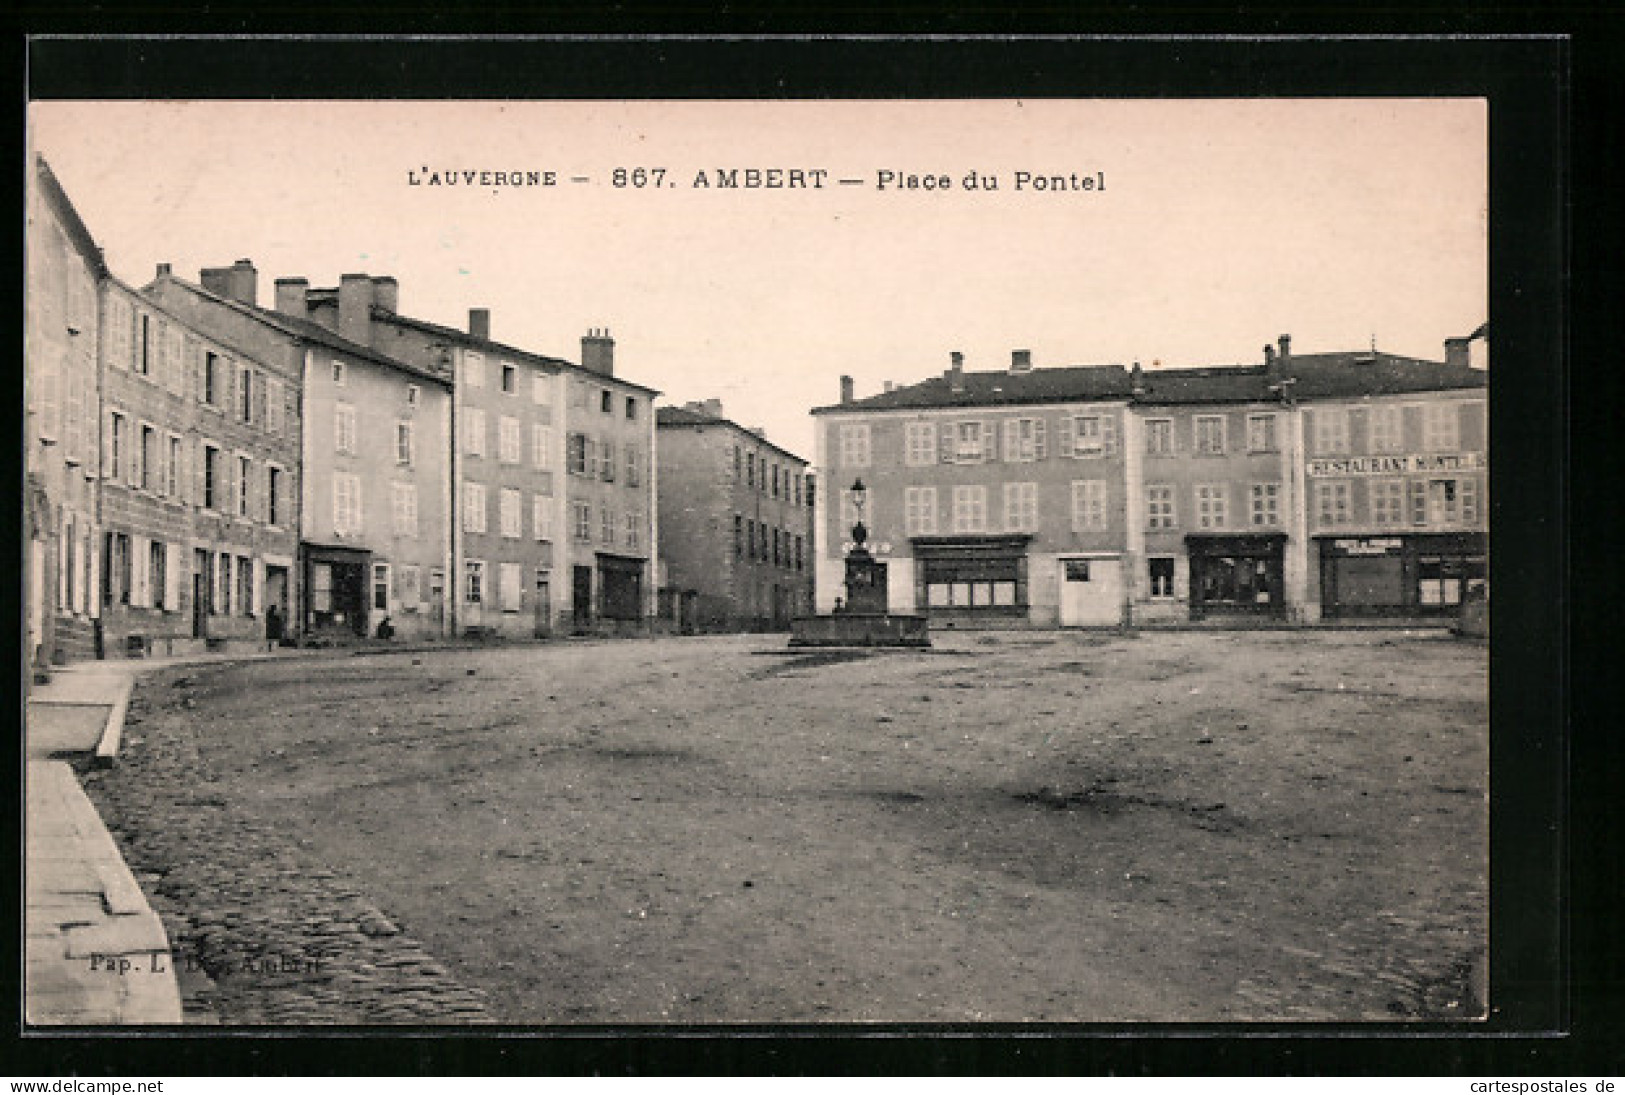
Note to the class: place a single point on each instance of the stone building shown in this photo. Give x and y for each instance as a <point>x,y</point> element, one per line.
<point>736,530</point>
<point>551,466</point>
<point>374,495</point>
<point>61,434</point>
<point>1327,485</point>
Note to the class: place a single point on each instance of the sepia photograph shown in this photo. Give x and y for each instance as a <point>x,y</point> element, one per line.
<point>669,563</point>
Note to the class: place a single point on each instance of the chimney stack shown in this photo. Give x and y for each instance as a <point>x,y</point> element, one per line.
<point>1457,353</point>
<point>479,323</point>
<point>164,269</point>
<point>291,298</point>
<point>386,294</point>
<point>1021,361</point>
<point>888,386</point>
<point>355,308</point>
<point>1286,348</point>
<point>1136,378</point>
<point>239,281</point>
<point>598,352</point>
<point>712,407</point>
<point>956,371</point>
<point>846,389</point>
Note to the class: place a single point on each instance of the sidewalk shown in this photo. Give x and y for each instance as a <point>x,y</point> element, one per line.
<point>96,953</point>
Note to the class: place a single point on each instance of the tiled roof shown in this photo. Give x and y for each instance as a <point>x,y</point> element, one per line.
<point>987,389</point>
<point>309,331</point>
<point>1345,375</point>
<point>682,417</point>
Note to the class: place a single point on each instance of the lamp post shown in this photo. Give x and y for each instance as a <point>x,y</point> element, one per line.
<point>860,496</point>
<point>865,577</point>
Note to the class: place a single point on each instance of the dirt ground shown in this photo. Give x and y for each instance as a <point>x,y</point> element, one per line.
<point>1182,826</point>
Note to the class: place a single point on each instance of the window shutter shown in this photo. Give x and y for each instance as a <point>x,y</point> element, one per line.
<point>259,586</point>
<point>1012,440</point>
<point>260,400</point>
<point>1064,437</point>
<point>989,441</point>
<point>1413,427</point>
<point>160,461</point>
<point>172,577</point>
<point>1418,501</point>
<point>1108,433</point>
<point>134,452</point>
<point>200,463</point>
<point>1039,452</point>
<point>947,439</point>
<point>95,576</point>
<point>139,575</point>
<point>1471,429</point>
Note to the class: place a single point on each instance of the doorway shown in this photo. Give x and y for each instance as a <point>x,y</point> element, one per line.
<point>544,605</point>
<point>581,596</point>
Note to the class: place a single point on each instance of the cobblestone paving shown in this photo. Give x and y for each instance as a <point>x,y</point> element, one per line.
<point>259,932</point>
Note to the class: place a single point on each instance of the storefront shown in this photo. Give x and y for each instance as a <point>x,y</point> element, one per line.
<point>620,587</point>
<point>1412,575</point>
<point>335,589</point>
<point>1239,574</point>
<point>971,577</point>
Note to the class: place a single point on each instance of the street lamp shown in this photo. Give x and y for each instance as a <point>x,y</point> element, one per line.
<point>860,496</point>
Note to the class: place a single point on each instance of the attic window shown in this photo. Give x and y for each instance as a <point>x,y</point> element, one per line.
<point>411,395</point>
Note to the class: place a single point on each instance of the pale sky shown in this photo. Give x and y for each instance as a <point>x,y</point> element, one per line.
<point>1222,224</point>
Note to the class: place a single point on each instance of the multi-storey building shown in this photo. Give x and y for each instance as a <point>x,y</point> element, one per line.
<point>552,466</point>
<point>1320,485</point>
<point>992,498</point>
<point>735,524</point>
<point>372,508</point>
<point>200,485</point>
<point>61,435</point>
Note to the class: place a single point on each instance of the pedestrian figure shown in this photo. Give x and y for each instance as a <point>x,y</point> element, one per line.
<point>273,627</point>
<point>386,629</point>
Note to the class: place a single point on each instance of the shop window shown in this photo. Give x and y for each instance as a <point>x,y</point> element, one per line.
<point>321,587</point>
<point>1161,574</point>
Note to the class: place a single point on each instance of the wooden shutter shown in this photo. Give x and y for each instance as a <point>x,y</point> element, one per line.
<point>989,441</point>
<point>1012,440</point>
<point>1418,501</point>
<point>1064,437</point>
<point>1471,430</point>
<point>172,577</point>
<point>200,463</point>
<point>261,398</point>
<point>1413,427</point>
<point>947,442</point>
<point>1039,452</point>
<point>1108,433</point>
<point>139,576</point>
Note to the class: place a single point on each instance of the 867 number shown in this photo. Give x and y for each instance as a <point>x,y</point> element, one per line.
<point>638,177</point>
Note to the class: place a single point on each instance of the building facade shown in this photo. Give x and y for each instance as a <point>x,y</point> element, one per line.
<point>551,464</point>
<point>736,530</point>
<point>372,505</point>
<point>1331,485</point>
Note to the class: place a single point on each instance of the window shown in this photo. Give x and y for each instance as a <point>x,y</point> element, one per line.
<point>541,445</point>
<point>606,401</point>
<point>970,509</point>
<point>344,427</point>
<point>1161,574</point>
<point>920,511</point>
<point>276,419</point>
<point>214,481</point>
<point>409,588</point>
<point>508,440</point>
<point>750,538</point>
<point>1332,504</point>
<point>148,476</point>
<point>510,576</point>
<point>321,587</point>
<point>1331,431</point>
<point>854,445</point>
<point>1084,435</point>
<point>474,369</point>
<point>273,495</point>
<point>800,554</point>
<point>380,587</point>
<point>1159,507</point>
<point>606,526</point>
<point>245,394</point>
<point>510,378</point>
<point>1159,436</point>
<point>1021,507</point>
<point>541,516</point>
<point>403,443</point>
<point>1261,433</point>
<point>634,531</point>
<point>474,581</point>
<point>777,552</point>
<point>473,431</point>
<point>157,573</point>
<point>1088,504</point>
<point>120,569</point>
<point>338,372</point>
<point>631,408</point>
<point>473,507</point>
<point>214,381</point>
<point>606,461</point>
<point>1444,501</point>
<point>774,480</point>
<point>750,469</point>
<point>118,456</point>
<point>583,522</point>
<point>172,468</point>
<point>404,508</point>
<point>971,441</point>
<point>1441,427</point>
<point>1023,439</point>
<point>509,513</point>
<point>412,391</point>
<point>1212,505</point>
<point>1266,503</point>
<point>1387,501</point>
<point>1386,426</point>
<point>346,504</point>
<point>739,536</point>
<point>222,605</point>
<point>245,472</point>
<point>797,478</point>
<point>1209,434</point>
<point>540,385</point>
<point>634,466</point>
<point>575,454</point>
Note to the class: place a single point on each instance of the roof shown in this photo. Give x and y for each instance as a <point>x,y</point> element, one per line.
<point>990,389</point>
<point>307,330</point>
<point>75,227</point>
<point>490,346</point>
<point>676,418</point>
<point>1338,375</point>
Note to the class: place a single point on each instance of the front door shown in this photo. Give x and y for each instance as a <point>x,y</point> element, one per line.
<point>1091,593</point>
<point>581,596</point>
<point>544,605</point>
<point>202,584</point>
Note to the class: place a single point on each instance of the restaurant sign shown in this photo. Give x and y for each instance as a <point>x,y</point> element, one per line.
<point>1382,545</point>
<point>1401,464</point>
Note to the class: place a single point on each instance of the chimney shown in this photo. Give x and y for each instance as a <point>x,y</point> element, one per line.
<point>355,308</point>
<point>888,385</point>
<point>846,389</point>
<point>290,297</point>
<point>598,352</point>
<point>1286,348</point>
<point>386,294</point>
<point>164,269</point>
<point>239,281</point>
<point>479,322</point>
<point>956,371</point>
<point>1136,378</point>
<point>1021,361</point>
<point>712,407</point>
<point>1456,352</point>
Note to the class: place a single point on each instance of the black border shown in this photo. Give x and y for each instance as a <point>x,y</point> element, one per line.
<point>1527,81</point>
